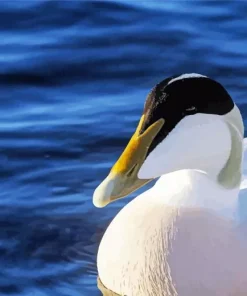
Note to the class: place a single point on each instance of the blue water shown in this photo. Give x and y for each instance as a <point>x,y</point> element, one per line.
<point>73,80</point>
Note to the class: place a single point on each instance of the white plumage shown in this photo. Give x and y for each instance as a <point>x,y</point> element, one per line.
<point>186,236</point>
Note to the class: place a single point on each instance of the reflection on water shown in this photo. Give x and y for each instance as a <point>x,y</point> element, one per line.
<point>104,290</point>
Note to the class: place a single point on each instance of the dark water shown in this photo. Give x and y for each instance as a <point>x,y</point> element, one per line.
<point>73,79</point>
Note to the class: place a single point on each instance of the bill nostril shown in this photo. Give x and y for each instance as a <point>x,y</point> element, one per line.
<point>131,170</point>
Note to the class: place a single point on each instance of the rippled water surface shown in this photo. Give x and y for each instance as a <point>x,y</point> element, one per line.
<point>73,80</point>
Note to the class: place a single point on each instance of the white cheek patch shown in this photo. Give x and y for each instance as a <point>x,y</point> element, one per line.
<point>185,76</point>
<point>199,141</point>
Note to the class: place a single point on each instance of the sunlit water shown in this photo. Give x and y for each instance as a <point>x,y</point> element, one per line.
<point>74,76</point>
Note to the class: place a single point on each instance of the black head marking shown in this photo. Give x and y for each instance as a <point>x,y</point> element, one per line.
<point>175,97</point>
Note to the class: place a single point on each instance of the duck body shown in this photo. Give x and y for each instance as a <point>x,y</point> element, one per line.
<point>185,236</point>
<point>170,241</point>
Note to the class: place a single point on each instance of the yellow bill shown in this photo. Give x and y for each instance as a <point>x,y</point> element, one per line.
<point>122,179</point>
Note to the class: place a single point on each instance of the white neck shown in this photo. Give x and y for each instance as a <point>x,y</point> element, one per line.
<point>193,189</point>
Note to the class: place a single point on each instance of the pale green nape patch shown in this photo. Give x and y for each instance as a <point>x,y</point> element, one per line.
<point>231,175</point>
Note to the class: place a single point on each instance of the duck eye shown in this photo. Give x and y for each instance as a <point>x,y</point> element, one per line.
<point>191,110</point>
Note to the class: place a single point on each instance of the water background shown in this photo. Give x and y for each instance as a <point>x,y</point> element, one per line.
<point>73,79</point>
